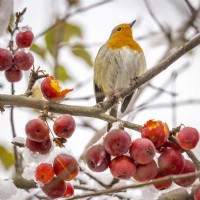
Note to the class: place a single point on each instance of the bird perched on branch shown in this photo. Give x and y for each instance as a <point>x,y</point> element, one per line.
<point>119,60</point>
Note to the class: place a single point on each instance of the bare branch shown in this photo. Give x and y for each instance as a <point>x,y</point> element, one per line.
<point>79,10</point>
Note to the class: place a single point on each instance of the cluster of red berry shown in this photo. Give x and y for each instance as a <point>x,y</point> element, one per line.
<point>13,62</point>
<point>136,159</point>
<point>52,178</point>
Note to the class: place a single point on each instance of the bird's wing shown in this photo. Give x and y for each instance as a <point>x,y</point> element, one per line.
<point>99,95</point>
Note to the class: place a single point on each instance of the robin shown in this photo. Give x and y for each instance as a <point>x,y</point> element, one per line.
<point>118,61</point>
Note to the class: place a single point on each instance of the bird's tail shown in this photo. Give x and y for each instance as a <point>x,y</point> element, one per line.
<point>113,112</point>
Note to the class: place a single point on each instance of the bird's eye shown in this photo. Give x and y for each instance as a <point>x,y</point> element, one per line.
<point>119,29</point>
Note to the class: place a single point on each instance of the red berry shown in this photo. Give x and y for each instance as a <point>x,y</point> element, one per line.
<point>142,150</point>
<point>167,144</point>
<point>44,173</point>
<point>188,168</point>
<point>96,158</point>
<point>23,60</point>
<point>41,147</point>
<point>69,190</point>
<point>197,193</point>
<point>156,131</point>
<point>6,59</point>
<point>13,75</point>
<point>65,167</point>
<point>64,126</point>
<point>188,138</point>
<point>122,167</point>
<point>146,172</point>
<point>171,161</point>
<point>24,39</point>
<point>164,184</point>
<point>55,189</point>
<point>37,130</point>
<point>117,142</point>
<point>52,90</point>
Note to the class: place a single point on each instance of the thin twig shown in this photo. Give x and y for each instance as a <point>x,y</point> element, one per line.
<point>167,33</point>
<point>134,186</point>
<point>79,10</point>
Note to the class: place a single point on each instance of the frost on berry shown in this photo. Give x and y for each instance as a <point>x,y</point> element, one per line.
<point>117,142</point>
<point>142,150</point>
<point>122,167</point>
<point>171,161</point>
<point>24,38</point>
<point>37,130</point>
<point>13,75</point>
<point>64,126</point>
<point>6,59</point>
<point>188,138</point>
<point>23,60</point>
<point>96,158</point>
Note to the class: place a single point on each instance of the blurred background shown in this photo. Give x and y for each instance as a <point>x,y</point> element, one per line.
<point>68,51</point>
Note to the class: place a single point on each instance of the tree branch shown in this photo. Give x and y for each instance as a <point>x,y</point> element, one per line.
<point>98,111</point>
<point>151,73</point>
<point>138,185</point>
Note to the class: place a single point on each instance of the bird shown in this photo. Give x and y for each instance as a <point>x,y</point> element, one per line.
<point>118,61</point>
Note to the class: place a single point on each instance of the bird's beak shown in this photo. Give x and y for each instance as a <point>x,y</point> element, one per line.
<point>132,23</point>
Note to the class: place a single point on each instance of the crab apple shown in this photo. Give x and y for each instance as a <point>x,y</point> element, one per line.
<point>23,60</point>
<point>24,39</point>
<point>6,59</point>
<point>164,184</point>
<point>197,193</point>
<point>122,167</point>
<point>142,150</point>
<point>188,138</point>
<point>37,130</point>
<point>55,189</point>
<point>44,173</point>
<point>51,89</point>
<point>156,131</point>
<point>69,190</point>
<point>146,172</point>
<point>171,161</point>
<point>117,142</point>
<point>96,158</point>
<point>13,75</point>
<point>64,126</point>
<point>65,167</point>
<point>40,147</point>
<point>168,144</point>
<point>188,168</point>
